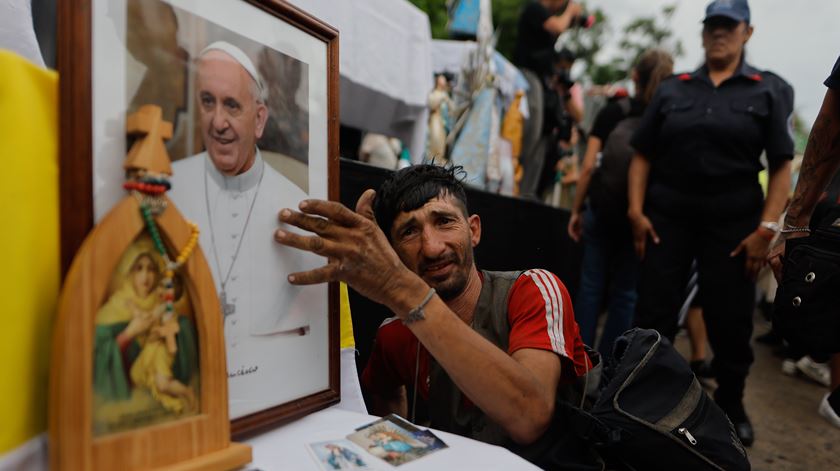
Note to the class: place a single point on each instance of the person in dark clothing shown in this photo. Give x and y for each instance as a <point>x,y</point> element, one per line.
<point>821,161</point>
<point>694,193</point>
<point>604,231</point>
<point>540,24</point>
<point>562,114</point>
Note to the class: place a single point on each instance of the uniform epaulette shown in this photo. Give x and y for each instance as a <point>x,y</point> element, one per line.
<point>771,75</point>
<point>774,80</point>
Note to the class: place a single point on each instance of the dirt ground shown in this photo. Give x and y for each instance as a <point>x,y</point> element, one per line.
<point>790,435</point>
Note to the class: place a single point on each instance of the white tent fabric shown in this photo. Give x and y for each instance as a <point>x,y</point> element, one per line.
<point>385,65</point>
<point>16,31</point>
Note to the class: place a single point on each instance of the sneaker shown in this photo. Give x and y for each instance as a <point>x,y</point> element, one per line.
<point>828,412</point>
<point>815,371</point>
<point>789,367</point>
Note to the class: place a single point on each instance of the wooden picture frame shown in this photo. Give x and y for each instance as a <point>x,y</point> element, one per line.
<point>82,152</point>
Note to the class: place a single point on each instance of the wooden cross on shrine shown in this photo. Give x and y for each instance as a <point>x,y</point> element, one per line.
<point>149,151</point>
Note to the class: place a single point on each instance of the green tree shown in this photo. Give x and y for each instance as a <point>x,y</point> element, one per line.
<point>637,36</point>
<point>587,44</point>
<point>438,16</point>
<point>649,32</point>
<point>506,22</point>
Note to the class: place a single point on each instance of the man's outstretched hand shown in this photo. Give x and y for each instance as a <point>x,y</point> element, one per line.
<point>357,250</point>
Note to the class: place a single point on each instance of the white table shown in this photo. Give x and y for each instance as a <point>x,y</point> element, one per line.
<point>285,447</point>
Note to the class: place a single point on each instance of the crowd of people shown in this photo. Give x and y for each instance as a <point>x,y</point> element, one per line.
<point>668,196</point>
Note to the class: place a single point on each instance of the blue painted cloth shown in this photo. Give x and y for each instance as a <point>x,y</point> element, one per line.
<point>464,20</point>
<point>472,148</point>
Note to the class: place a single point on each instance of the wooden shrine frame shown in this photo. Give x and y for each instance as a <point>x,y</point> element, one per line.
<point>75,55</point>
<point>192,442</point>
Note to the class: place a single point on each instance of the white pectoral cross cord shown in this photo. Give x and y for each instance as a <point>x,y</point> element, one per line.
<point>228,308</point>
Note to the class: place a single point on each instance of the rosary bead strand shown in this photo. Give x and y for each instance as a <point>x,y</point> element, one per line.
<point>147,190</point>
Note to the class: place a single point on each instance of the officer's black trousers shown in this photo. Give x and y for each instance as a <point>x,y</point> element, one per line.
<point>708,230</point>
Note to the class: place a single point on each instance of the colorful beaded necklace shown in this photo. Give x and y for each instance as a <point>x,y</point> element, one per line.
<point>148,189</point>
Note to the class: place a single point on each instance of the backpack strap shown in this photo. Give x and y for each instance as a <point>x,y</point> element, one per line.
<point>587,426</point>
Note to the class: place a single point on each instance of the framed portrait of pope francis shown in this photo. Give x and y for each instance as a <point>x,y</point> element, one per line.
<point>250,88</point>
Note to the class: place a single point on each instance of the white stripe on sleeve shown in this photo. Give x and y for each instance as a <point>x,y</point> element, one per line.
<point>549,300</point>
<point>557,312</point>
<point>560,314</point>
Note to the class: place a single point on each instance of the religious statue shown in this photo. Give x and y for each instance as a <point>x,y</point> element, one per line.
<point>440,105</point>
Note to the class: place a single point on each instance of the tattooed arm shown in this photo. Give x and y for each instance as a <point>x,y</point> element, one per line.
<point>821,161</point>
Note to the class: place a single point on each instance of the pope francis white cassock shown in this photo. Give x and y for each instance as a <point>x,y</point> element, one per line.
<point>234,197</point>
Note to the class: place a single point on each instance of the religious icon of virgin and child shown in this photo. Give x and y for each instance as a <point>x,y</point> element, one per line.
<point>145,359</point>
<point>394,447</point>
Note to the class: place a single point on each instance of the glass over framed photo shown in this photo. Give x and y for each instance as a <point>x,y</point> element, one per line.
<point>250,89</point>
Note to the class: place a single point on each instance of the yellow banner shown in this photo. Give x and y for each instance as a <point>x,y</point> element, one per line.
<point>29,279</point>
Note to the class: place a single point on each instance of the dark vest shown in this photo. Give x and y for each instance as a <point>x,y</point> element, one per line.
<point>446,408</point>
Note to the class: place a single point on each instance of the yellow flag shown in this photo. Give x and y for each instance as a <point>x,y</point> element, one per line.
<point>29,279</point>
<point>346,329</point>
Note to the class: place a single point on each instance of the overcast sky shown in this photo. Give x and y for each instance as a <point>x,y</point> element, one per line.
<point>799,40</point>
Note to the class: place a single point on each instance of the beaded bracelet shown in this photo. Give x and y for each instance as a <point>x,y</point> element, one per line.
<point>417,314</point>
<point>792,229</point>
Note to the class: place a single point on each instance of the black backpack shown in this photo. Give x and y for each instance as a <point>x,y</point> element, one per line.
<point>807,300</point>
<point>652,413</point>
<point>608,190</point>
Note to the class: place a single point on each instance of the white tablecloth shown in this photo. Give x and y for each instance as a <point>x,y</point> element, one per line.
<point>285,447</point>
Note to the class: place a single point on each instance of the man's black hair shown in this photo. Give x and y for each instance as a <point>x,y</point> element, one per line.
<point>412,187</point>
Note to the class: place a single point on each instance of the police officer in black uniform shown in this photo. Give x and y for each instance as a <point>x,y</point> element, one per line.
<point>694,193</point>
